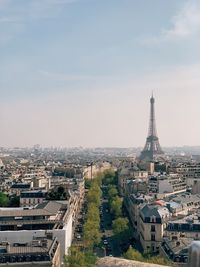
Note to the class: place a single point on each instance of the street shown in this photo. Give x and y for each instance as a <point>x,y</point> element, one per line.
<point>106,228</point>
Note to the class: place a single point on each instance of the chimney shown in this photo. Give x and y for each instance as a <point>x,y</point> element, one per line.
<point>8,247</point>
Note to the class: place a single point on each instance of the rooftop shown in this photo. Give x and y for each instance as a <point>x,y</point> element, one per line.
<point>20,185</point>
<point>155,210</point>
<point>179,246</point>
<point>47,208</point>
<point>186,198</point>
<point>191,219</point>
<point>40,249</point>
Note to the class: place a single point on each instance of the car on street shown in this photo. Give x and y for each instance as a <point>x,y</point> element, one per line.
<point>105,242</point>
<point>78,236</point>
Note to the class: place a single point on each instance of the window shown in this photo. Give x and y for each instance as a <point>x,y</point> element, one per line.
<point>153,228</point>
<point>174,238</point>
<point>153,238</point>
<point>153,219</point>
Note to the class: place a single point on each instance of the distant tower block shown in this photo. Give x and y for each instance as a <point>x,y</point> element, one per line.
<point>152,147</point>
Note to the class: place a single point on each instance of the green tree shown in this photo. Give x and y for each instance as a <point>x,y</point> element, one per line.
<point>109,177</point>
<point>90,259</point>
<point>93,213</point>
<point>120,225</point>
<point>58,194</point>
<point>60,190</point>
<point>99,178</point>
<point>77,258</point>
<point>112,192</point>
<point>4,200</point>
<point>91,234</point>
<point>133,254</point>
<point>94,195</point>
<point>14,201</point>
<point>160,260</point>
<point>88,183</point>
<point>116,206</point>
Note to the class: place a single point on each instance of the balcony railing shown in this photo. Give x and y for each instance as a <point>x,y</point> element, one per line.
<point>27,222</point>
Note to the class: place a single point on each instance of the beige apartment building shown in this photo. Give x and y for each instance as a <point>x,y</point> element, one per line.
<point>152,222</point>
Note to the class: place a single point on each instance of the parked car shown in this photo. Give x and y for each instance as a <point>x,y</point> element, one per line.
<point>78,236</point>
<point>105,242</point>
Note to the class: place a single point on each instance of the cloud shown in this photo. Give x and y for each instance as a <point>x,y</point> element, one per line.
<point>60,2</point>
<point>185,23</point>
<point>66,77</point>
<point>76,77</point>
<point>9,19</point>
<point>31,10</point>
<point>3,3</point>
<point>15,17</point>
<point>42,9</point>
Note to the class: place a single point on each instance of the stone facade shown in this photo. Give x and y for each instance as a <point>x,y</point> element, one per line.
<point>116,262</point>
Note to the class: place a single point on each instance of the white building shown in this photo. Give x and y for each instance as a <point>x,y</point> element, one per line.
<point>19,225</point>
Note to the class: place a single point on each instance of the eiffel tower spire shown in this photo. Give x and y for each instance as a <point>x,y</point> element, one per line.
<point>152,147</point>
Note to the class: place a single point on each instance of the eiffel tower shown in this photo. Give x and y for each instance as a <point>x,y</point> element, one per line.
<point>152,148</point>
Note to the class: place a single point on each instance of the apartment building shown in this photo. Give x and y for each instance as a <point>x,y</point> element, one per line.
<point>17,188</point>
<point>152,222</point>
<point>178,237</point>
<point>134,204</point>
<point>187,170</point>
<point>184,203</point>
<point>166,185</point>
<point>131,174</point>
<point>32,197</point>
<point>21,225</point>
<point>188,226</point>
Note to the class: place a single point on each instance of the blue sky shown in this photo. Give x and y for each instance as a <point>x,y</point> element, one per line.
<point>80,72</point>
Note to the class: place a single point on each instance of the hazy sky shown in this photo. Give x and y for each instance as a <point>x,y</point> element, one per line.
<point>80,72</point>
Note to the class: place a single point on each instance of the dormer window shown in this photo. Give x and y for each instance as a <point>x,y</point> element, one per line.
<point>153,219</point>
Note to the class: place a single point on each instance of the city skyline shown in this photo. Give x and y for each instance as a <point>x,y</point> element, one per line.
<point>80,72</point>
